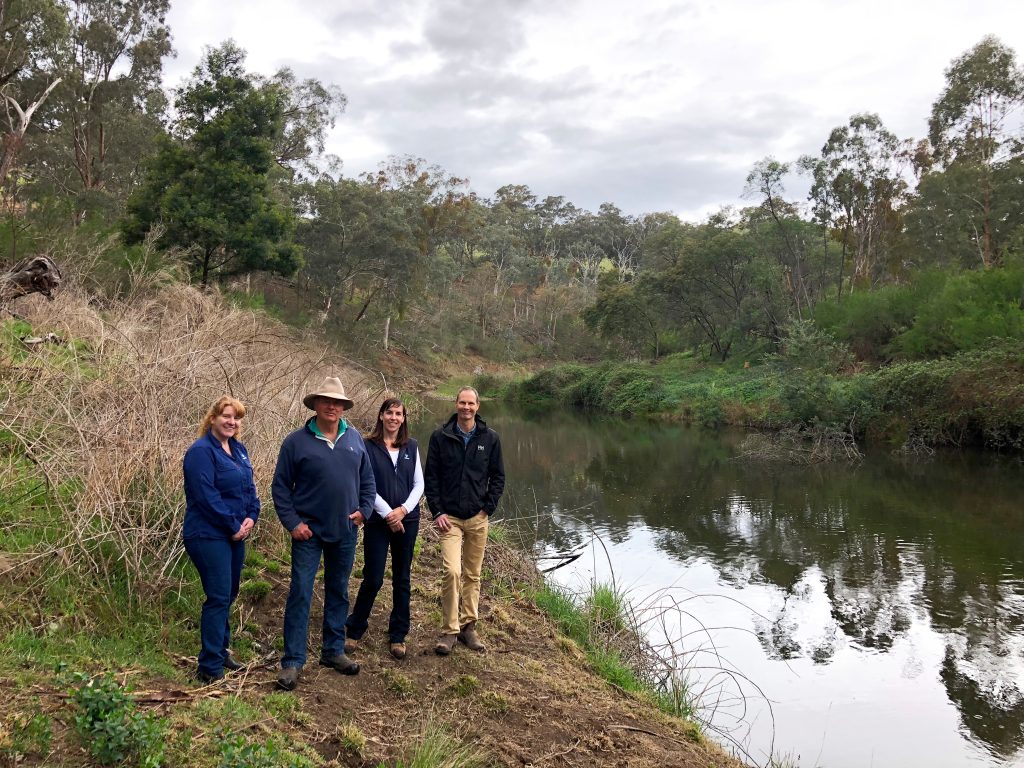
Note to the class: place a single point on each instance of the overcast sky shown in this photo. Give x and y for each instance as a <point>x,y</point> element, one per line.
<point>654,105</point>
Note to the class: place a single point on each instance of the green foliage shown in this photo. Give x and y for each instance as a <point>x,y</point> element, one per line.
<point>24,734</point>
<point>939,313</point>
<point>805,346</point>
<point>209,191</point>
<point>464,685</point>
<point>489,384</point>
<point>398,682</point>
<point>351,738</point>
<point>498,533</point>
<point>967,312</point>
<point>112,728</point>
<point>439,748</point>
<point>235,752</point>
<point>622,314</point>
<point>495,702</point>
<point>625,388</point>
<point>606,607</point>
<point>867,320</point>
<point>255,590</point>
<point>286,707</point>
<point>974,397</point>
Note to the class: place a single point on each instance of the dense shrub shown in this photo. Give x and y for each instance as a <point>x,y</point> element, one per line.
<point>939,314</point>
<point>965,313</point>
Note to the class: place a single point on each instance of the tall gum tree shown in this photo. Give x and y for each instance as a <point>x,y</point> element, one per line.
<point>975,130</point>
<point>30,30</point>
<point>859,186</point>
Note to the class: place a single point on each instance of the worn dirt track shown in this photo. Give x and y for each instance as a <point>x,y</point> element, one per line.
<point>528,701</point>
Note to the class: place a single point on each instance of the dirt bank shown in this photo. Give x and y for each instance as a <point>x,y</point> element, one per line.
<point>529,700</point>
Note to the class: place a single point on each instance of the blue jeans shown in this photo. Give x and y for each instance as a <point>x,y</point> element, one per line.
<point>219,562</point>
<point>338,557</point>
<point>377,539</point>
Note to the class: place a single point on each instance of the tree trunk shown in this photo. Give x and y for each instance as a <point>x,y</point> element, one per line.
<point>387,332</point>
<point>12,141</point>
<point>37,275</point>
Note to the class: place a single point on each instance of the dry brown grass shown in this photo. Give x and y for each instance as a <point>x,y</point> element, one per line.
<point>106,414</point>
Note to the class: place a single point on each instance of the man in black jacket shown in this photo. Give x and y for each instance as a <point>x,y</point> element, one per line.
<point>464,480</point>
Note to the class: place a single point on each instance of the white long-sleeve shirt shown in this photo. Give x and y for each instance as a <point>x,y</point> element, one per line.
<point>381,507</point>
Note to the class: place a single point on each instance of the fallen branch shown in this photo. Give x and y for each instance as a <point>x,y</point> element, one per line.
<point>37,275</point>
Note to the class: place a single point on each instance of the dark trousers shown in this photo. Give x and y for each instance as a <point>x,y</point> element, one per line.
<point>338,557</point>
<point>219,562</point>
<point>377,539</point>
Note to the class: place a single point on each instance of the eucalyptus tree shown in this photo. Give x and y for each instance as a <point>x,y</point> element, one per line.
<point>309,109</point>
<point>29,32</point>
<point>859,187</point>
<point>622,313</point>
<point>359,245</point>
<point>103,119</point>
<point>668,240</point>
<point>976,137</point>
<point>780,229</point>
<point>207,190</point>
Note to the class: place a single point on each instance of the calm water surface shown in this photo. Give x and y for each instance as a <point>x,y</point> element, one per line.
<point>873,615</point>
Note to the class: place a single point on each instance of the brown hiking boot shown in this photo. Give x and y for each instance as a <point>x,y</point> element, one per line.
<point>351,645</point>
<point>445,643</point>
<point>398,650</point>
<point>469,638</point>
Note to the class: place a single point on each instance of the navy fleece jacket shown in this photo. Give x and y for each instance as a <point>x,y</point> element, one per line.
<point>321,486</point>
<point>219,492</point>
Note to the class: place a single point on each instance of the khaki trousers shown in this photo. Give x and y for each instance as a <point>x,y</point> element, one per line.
<point>462,551</point>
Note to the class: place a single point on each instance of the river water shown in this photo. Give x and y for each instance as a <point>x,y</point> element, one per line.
<point>841,616</point>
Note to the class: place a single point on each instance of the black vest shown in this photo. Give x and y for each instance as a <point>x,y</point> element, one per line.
<point>394,481</point>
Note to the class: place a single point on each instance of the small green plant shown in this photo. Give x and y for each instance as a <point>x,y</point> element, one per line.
<point>397,682</point>
<point>254,559</point>
<point>674,698</point>
<point>25,734</point>
<point>236,752</point>
<point>498,533</point>
<point>438,747</point>
<point>286,707</point>
<point>464,685</point>
<point>606,608</point>
<point>351,738</point>
<point>250,572</point>
<point>495,702</point>
<point>255,590</point>
<point>112,728</point>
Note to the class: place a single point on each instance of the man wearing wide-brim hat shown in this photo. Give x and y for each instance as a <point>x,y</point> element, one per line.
<point>323,490</point>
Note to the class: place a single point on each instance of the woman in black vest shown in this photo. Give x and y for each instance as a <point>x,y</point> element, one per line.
<point>393,525</point>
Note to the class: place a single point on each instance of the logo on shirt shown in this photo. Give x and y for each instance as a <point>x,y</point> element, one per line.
<point>479,447</point>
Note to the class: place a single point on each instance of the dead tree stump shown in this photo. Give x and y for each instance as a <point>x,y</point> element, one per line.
<point>37,275</point>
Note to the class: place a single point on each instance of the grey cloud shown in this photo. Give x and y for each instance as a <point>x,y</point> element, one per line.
<point>363,16</point>
<point>471,33</point>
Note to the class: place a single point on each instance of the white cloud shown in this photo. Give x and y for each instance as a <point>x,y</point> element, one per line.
<point>654,105</point>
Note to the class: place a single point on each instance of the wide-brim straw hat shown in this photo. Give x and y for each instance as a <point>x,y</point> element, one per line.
<point>332,388</point>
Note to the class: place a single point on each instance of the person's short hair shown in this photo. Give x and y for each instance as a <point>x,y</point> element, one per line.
<point>467,388</point>
<point>217,409</point>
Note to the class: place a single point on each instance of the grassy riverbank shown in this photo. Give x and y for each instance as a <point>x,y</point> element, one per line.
<point>96,597</point>
<point>972,398</point>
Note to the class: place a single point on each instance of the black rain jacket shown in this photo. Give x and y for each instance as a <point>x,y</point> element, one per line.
<point>461,479</point>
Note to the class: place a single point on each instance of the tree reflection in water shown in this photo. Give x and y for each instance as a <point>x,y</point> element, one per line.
<point>886,543</point>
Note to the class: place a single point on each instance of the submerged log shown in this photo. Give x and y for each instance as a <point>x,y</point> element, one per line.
<point>37,275</point>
